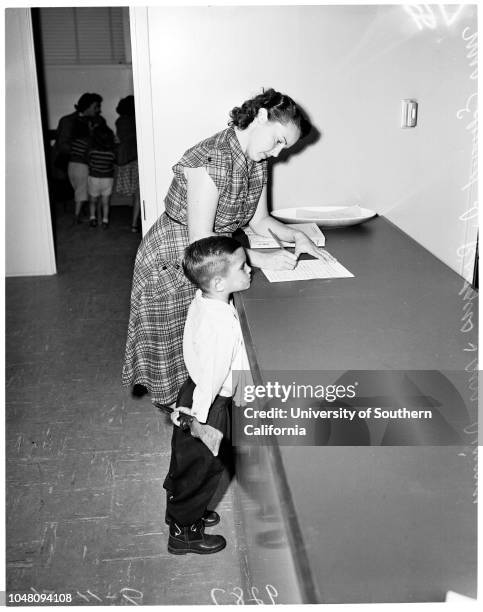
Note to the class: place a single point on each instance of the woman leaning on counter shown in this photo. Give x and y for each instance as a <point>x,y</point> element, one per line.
<point>219,186</point>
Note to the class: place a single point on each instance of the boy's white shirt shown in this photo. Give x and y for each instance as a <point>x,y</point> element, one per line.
<point>213,347</point>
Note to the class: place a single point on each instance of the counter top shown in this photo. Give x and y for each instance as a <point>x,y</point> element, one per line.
<point>369,521</point>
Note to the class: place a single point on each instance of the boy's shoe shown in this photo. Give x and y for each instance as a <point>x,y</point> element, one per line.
<point>192,539</point>
<point>210,518</point>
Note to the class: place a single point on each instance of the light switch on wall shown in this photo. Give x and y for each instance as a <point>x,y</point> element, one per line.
<point>409,113</point>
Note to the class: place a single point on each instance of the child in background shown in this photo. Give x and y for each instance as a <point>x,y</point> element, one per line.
<point>101,158</point>
<point>213,347</point>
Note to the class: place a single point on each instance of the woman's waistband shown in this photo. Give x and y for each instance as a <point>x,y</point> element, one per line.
<point>221,232</point>
<point>175,221</point>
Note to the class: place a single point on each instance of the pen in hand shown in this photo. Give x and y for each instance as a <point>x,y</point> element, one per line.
<point>277,239</point>
<point>281,245</point>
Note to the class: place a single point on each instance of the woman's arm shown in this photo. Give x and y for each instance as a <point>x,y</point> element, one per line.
<point>202,202</point>
<point>64,134</point>
<point>261,222</point>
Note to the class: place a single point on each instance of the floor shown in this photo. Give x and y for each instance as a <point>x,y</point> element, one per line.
<point>86,460</point>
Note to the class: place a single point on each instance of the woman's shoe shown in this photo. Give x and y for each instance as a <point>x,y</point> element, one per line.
<point>105,225</point>
<point>139,390</point>
<point>93,222</point>
<point>134,229</point>
<point>210,518</point>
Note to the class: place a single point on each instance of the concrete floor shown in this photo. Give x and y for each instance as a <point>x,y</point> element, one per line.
<point>85,460</point>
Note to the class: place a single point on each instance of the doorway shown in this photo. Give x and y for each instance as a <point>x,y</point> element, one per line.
<point>80,50</point>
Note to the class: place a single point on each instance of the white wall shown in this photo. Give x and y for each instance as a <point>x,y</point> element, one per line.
<point>349,66</point>
<point>28,234</point>
<point>65,85</point>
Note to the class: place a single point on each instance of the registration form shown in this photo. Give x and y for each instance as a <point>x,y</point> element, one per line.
<point>308,269</point>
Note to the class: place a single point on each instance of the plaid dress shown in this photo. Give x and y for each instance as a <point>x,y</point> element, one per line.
<point>161,293</point>
<point>127,179</point>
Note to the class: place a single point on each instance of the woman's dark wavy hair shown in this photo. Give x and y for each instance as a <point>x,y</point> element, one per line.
<point>86,100</point>
<point>280,108</point>
<point>126,106</point>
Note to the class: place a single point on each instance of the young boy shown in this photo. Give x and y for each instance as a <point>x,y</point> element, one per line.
<point>100,181</point>
<point>213,347</point>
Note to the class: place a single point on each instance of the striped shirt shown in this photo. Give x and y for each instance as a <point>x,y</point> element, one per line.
<point>101,163</point>
<point>78,150</point>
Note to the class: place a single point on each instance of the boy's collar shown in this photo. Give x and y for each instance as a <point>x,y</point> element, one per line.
<point>212,301</point>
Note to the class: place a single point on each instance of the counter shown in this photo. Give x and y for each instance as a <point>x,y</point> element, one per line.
<point>365,523</point>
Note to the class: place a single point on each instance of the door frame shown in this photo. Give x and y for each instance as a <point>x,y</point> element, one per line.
<point>151,206</point>
<point>29,238</point>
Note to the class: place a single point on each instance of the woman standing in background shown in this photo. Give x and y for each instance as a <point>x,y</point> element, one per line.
<point>72,144</point>
<point>127,182</point>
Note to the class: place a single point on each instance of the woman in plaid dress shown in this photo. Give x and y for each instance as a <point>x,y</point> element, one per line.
<point>219,186</point>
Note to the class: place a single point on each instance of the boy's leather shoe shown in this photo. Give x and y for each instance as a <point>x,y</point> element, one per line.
<point>210,518</point>
<point>192,539</point>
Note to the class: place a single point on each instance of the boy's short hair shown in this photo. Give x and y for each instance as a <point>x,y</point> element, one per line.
<point>207,257</point>
<point>102,138</point>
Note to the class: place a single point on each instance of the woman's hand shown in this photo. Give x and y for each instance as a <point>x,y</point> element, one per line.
<point>277,260</point>
<point>303,244</point>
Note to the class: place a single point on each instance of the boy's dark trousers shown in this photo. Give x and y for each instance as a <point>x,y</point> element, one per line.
<point>194,472</point>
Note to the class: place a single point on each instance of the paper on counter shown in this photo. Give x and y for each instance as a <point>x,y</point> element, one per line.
<point>308,269</point>
<point>312,230</point>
